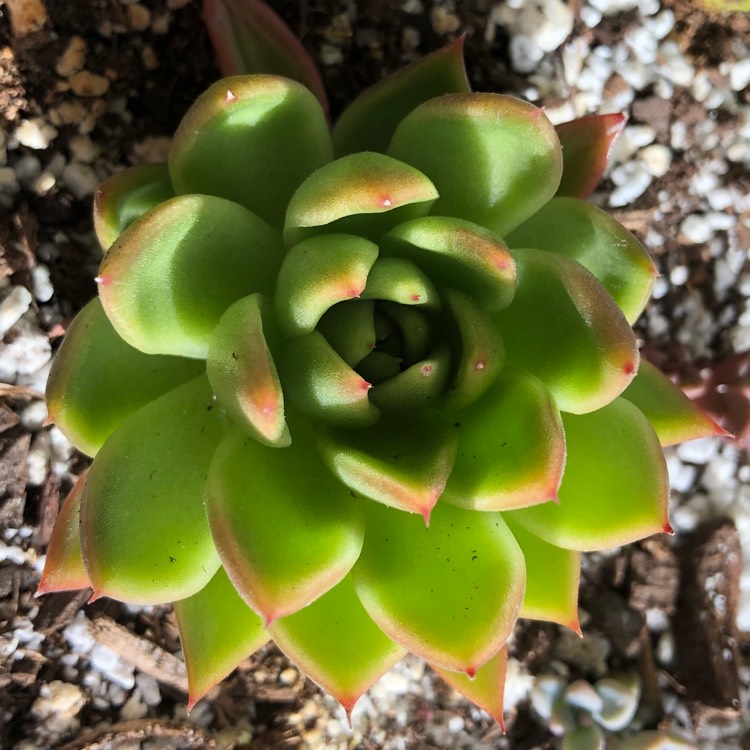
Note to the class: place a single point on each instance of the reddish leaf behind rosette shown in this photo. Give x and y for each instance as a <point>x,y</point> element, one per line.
<point>587,143</point>
<point>486,688</point>
<point>248,37</point>
<point>64,569</point>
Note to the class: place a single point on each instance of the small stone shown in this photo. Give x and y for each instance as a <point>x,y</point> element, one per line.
<point>699,451</point>
<point>83,149</point>
<point>41,284</point>
<point>739,75</point>
<point>13,307</point>
<point>413,7</point>
<point>330,55</point>
<point>134,707</point>
<point>28,168</point>
<point>149,58</point>
<point>26,16</point>
<point>88,84</point>
<point>657,158</point>
<point>695,229</point>
<point>44,183</point>
<point>58,704</point>
<point>80,179</point>
<point>160,23</point>
<point>524,54</point>
<point>36,133</point>
<point>73,59</point>
<point>679,275</point>
<point>289,676</point>
<point>177,4</point>
<point>456,724</point>
<point>631,179</point>
<point>139,17</point>
<point>151,149</point>
<point>444,22</point>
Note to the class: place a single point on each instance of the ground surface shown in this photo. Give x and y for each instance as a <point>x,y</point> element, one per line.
<point>89,87</point>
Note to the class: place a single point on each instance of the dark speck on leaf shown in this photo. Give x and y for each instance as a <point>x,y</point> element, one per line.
<point>474,557</point>
<point>234,355</point>
<point>503,445</point>
<point>209,407</point>
<point>456,424</point>
<point>172,559</point>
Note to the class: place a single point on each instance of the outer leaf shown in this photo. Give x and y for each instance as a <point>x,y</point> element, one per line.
<point>587,144</point>
<point>670,412</point>
<point>365,194</point>
<point>318,273</point>
<point>144,533</point>
<point>242,372</point>
<point>369,122</point>
<point>450,593</point>
<point>248,37</point>
<point>64,569</point>
<point>486,688</point>
<point>218,631</point>
<point>286,529</point>
<point>552,578</point>
<point>170,277</point>
<point>97,380</point>
<point>125,196</point>
<point>252,140</point>
<point>401,463</point>
<point>589,235</point>
<point>460,254</point>
<point>335,642</point>
<point>565,328</point>
<point>495,160</point>
<point>511,447</point>
<point>615,488</point>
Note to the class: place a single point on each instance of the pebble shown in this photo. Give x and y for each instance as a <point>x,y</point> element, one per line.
<point>139,17</point>
<point>73,58</point>
<point>28,168</point>
<point>679,275</point>
<point>681,475</point>
<point>657,158</point>
<point>289,676</point>
<point>695,229</point>
<point>27,351</point>
<point>88,84</point>
<point>80,179</point>
<point>631,179</point>
<point>35,133</point>
<point>83,149</point>
<point>58,704</point>
<point>26,16</point>
<point>739,75</point>
<point>13,306</point>
<point>698,451</point>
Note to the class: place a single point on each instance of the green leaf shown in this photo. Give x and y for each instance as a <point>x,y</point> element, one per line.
<point>317,274</point>
<point>127,195</point>
<point>457,253</point>
<point>63,568</point>
<point>671,413</point>
<point>318,381</point>
<point>169,278</point>
<point>449,593</point>
<point>349,328</point>
<point>369,122</point>
<point>485,689</point>
<point>366,194</point>
<point>287,531</point>
<point>335,643</point>
<point>511,447</point>
<point>253,140</point>
<point>218,631</point>
<point>401,281</point>
<point>248,37</point>
<point>97,380</point>
<point>615,488</point>
<point>589,235</point>
<point>242,372</point>
<point>587,144</point>
<point>552,578</point>
<point>494,160</point>
<point>403,463</point>
<point>144,534</point>
<point>565,327</point>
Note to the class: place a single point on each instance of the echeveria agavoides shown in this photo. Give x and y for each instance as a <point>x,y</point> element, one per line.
<point>362,391</point>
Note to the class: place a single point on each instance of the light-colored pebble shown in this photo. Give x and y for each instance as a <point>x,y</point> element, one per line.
<point>80,179</point>
<point>657,158</point>
<point>13,306</point>
<point>83,149</point>
<point>35,133</point>
<point>88,84</point>
<point>695,229</point>
<point>139,17</point>
<point>73,58</point>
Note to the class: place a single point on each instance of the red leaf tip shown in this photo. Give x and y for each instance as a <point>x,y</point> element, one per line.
<point>667,529</point>
<point>230,96</point>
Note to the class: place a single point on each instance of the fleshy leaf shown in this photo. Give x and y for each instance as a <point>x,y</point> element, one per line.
<point>552,578</point>
<point>252,140</point>
<point>248,37</point>
<point>480,348</point>
<point>671,413</point>
<point>366,194</point>
<point>320,383</point>
<point>485,689</point>
<point>459,254</point>
<point>556,300</point>
<point>511,447</point>
<point>97,380</point>
<point>495,160</point>
<point>401,281</point>
<point>242,372</point>
<point>335,643</point>
<point>218,631</point>
<point>414,327</point>
<point>587,144</point>
<point>369,122</point>
<point>615,487</point>
<point>287,531</point>
<point>64,569</point>
<point>144,534</point>
<point>317,274</point>
<point>449,593</point>
<point>350,329</point>
<point>127,195</point>
<point>170,277</point>
<point>401,463</point>
<point>589,235</point>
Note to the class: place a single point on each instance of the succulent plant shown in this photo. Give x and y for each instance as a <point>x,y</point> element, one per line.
<point>361,391</point>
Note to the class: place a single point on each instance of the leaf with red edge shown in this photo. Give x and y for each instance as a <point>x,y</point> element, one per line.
<point>64,569</point>
<point>248,37</point>
<point>369,122</point>
<point>486,688</point>
<point>218,631</point>
<point>335,643</point>
<point>671,413</point>
<point>587,143</point>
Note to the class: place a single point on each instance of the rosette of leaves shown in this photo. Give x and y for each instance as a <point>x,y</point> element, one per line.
<point>363,391</point>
